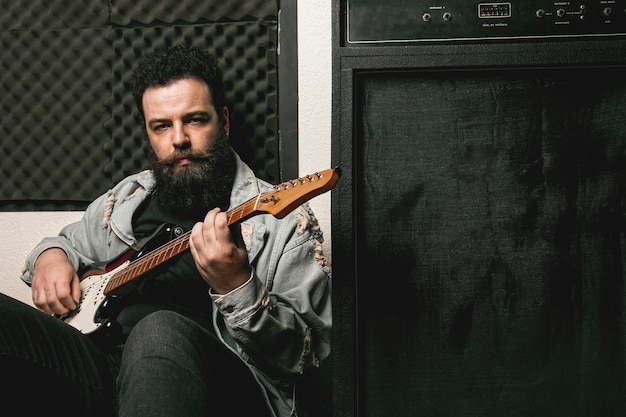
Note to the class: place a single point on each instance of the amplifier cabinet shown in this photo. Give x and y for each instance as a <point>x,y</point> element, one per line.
<point>479,228</point>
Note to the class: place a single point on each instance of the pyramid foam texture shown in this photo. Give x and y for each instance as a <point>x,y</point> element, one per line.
<point>69,126</point>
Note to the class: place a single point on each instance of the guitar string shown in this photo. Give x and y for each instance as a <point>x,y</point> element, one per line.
<point>165,252</point>
<point>156,257</point>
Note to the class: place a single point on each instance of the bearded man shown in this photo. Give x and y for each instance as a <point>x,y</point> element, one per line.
<point>225,328</point>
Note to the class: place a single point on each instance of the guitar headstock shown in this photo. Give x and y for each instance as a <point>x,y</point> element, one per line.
<point>290,194</point>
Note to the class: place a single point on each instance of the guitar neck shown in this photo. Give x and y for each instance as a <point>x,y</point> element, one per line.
<point>283,199</point>
<point>172,248</point>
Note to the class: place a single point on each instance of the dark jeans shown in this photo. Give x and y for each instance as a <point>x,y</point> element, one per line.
<point>170,366</point>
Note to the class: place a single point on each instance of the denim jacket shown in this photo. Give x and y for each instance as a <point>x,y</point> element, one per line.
<point>278,323</point>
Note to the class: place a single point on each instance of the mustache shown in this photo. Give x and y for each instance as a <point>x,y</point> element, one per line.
<point>183,154</point>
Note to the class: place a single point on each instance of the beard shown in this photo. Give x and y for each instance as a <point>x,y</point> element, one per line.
<point>194,189</point>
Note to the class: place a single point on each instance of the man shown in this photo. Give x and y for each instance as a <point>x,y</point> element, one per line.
<point>225,328</point>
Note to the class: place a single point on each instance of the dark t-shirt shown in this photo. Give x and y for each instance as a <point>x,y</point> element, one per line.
<point>175,285</point>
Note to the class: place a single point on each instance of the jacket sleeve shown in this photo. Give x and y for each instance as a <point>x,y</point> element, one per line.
<point>90,242</point>
<point>281,318</point>
<point>83,241</point>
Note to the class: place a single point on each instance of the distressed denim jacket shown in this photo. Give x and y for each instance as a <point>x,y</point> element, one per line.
<point>279,322</point>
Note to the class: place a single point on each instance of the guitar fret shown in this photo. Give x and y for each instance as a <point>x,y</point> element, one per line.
<point>154,261</point>
<point>242,211</point>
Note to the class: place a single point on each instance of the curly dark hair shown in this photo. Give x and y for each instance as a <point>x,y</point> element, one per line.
<point>166,65</point>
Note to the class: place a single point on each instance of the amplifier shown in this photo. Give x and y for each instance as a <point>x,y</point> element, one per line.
<point>400,21</point>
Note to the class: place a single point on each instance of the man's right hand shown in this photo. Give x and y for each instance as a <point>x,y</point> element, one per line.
<point>55,285</point>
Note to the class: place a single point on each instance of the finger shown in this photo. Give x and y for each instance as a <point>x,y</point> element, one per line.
<point>39,300</point>
<point>76,293</point>
<point>195,237</point>
<point>210,216</point>
<point>46,300</point>
<point>62,300</point>
<point>222,230</point>
<point>208,225</point>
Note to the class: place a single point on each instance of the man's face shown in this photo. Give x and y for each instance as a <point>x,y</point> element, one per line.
<point>193,163</point>
<point>181,121</point>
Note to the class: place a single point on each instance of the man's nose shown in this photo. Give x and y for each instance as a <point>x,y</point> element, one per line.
<point>180,136</point>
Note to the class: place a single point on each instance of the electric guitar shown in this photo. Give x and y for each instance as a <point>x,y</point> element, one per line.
<point>99,287</point>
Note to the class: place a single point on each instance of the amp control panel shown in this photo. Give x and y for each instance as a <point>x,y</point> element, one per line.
<point>408,21</point>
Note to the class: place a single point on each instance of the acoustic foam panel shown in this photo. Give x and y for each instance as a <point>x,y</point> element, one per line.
<point>69,125</point>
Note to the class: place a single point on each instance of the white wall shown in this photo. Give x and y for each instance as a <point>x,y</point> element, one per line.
<point>314,98</point>
<point>21,231</point>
